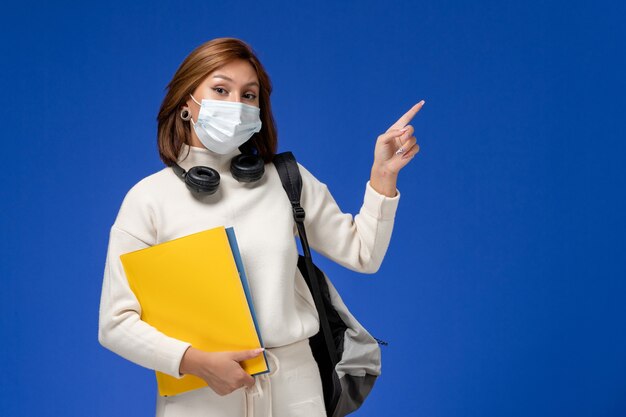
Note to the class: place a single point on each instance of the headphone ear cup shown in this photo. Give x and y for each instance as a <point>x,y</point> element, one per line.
<point>247,168</point>
<point>203,180</point>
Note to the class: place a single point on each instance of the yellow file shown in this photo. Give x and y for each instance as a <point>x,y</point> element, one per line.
<point>190,288</point>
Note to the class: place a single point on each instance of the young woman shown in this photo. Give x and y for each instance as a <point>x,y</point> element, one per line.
<point>217,107</point>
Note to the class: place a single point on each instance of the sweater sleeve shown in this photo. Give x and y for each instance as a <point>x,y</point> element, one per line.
<point>120,328</point>
<point>356,242</point>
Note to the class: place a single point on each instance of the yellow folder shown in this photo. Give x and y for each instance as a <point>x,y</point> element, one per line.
<point>190,288</point>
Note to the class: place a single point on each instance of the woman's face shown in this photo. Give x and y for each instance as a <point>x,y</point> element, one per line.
<point>235,81</point>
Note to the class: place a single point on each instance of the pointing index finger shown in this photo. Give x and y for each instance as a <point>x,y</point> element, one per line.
<point>406,117</point>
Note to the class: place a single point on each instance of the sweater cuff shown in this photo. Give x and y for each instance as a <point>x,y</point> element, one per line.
<point>172,352</point>
<point>378,205</point>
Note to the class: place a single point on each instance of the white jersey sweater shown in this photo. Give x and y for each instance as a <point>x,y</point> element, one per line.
<point>161,208</point>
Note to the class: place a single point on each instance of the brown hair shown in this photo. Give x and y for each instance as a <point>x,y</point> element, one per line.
<point>173,131</point>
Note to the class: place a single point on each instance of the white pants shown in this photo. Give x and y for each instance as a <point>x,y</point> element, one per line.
<point>292,389</point>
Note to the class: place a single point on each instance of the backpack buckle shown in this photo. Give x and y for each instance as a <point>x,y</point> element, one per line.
<point>298,213</point>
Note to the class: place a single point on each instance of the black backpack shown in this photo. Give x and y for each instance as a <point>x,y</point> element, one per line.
<point>348,357</point>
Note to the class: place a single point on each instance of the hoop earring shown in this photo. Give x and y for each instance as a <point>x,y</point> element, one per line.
<point>185,114</point>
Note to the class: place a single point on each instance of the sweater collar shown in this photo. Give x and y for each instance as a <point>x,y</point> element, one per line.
<point>191,156</point>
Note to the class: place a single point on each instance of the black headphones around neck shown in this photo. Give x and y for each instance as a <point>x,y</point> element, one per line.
<point>246,167</point>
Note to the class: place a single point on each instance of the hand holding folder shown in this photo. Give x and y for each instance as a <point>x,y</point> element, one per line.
<point>194,289</point>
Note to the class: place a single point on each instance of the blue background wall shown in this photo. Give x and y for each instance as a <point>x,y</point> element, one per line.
<point>503,290</point>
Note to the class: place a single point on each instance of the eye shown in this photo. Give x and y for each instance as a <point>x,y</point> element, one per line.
<point>250,96</point>
<point>219,90</point>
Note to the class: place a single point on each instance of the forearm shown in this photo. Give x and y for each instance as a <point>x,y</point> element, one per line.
<point>383,181</point>
<point>357,242</point>
<point>133,339</point>
<point>189,361</point>
<point>120,328</point>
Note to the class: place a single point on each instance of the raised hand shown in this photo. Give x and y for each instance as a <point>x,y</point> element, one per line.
<point>394,149</point>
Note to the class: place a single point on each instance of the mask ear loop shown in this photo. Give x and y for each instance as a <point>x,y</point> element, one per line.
<point>195,101</point>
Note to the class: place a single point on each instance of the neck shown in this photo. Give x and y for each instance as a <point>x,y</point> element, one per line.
<point>191,156</point>
<point>194,141</point>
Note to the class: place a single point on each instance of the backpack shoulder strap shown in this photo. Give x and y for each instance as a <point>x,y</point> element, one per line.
<point>289,173</point>
<point>291,179</point>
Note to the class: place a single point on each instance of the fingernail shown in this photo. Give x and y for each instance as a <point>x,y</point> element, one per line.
<point>423,102</point>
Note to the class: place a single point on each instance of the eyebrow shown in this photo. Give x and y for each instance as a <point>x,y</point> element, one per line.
<point>230,79</point>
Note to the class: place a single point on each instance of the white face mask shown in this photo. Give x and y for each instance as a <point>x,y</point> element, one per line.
<point>223,126</point>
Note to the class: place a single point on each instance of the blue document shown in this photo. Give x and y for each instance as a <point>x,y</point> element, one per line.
<point>232,240</point>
